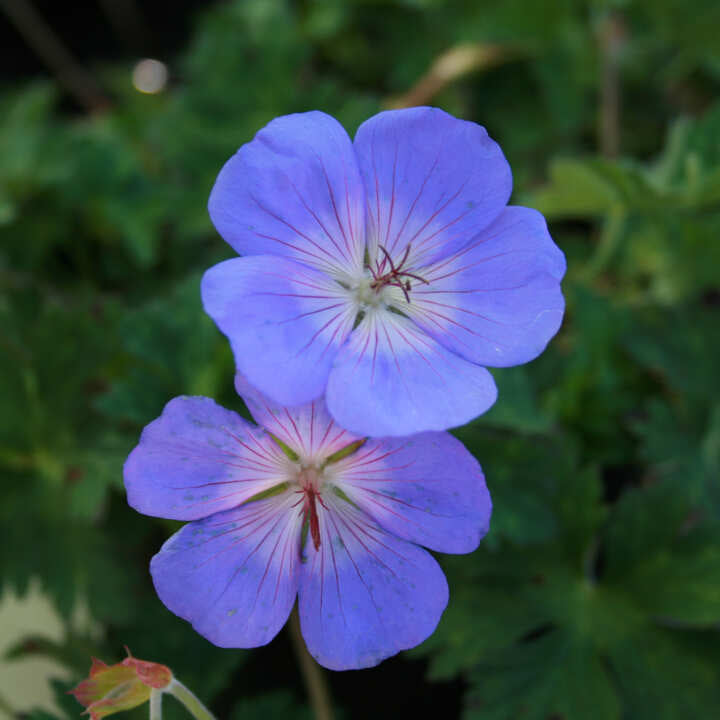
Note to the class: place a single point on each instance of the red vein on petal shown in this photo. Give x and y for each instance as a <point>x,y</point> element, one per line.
<point>297,432</point>
<point>406,504</point>
<point>435,214</point>
<point>335,210</point>
<point>312,426</point>
<point>271,412</point>
<point>295,230</point>
<point>392,199</point>
<point>321,224</point>
<point>317,333</point>
<point>414,202</point>
<point>245,562</point>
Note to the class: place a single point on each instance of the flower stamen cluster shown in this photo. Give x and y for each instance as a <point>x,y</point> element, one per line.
<point>382,279</point>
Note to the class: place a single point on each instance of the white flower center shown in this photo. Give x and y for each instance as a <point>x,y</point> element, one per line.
<point>310,478</point>
<point>365,296</point>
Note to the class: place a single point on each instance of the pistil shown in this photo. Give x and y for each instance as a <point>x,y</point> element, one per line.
<point>310,481</point>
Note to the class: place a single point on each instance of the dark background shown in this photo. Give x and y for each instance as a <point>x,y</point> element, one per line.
<point>597,592</point>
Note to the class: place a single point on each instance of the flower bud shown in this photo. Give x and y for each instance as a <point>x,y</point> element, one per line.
<point>125,685</point>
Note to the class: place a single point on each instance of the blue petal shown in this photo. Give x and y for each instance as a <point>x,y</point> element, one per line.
<point>365,595</point>
<point>295,190</point>
<point>285,323</point>
<point>307,429</point>
<point>234,576</point>
<point>431,180</point>
<point>426,488</point>
<point>197,459</point>
<point>498,301</point>
<point>391,378</point>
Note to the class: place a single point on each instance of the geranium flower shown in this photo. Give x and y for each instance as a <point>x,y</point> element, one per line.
<point>384,272</point>
<point>299,507</point>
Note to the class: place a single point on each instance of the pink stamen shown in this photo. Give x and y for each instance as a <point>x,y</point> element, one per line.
<point>395,276</point>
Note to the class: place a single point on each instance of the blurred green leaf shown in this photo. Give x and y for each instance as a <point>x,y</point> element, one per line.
<point>548,633</point>
<point>519,407</point>
<point>172,348</point>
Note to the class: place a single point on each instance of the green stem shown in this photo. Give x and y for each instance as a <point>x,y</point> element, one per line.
<point>188,699</point>
<point>315,682</point>
<point>610,239</point>
<point>156,704</point>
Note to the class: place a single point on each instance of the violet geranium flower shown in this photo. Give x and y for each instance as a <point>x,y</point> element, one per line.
<point>384,272</point>
<point>299,507</point>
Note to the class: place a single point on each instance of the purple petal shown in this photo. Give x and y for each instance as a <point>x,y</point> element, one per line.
<point>426,488</point>
<point>307,429</point>
<point>234,576</point>
<point>285,323</point>
<point>365,595</point>
<point>498,301</point>
<point>197,459</point>
<point>295,190</point>
<point>391,378</point>
<point>431,180</point>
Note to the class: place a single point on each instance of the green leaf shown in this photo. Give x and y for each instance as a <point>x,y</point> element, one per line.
<point>517,406</point>
<point>664,674</point>
<point>576,189</point>
<point>554,676</point>
<point>664,551</point>
<point>172,348</point>
<point>543,628</point>
<point>686,358</point>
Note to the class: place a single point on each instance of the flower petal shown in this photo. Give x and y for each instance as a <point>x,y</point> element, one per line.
<point>295,190</point>
<point>197,459</point>
<point>107,680</point>
<point>391,378</point>
<point>365,595</point>
<point>426,488</point>
<point>307,429</point>
<point>431,180</point>
<point>285,323</point>
<point>234,576</point>
<point>498,301</point>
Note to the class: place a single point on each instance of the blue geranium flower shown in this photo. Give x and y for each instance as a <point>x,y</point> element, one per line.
<point>301,508</point>
<point>385,273</point>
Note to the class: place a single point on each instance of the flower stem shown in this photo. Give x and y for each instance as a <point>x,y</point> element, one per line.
<point>315,682</point>
<point>188,699</point>
<point>156,704</point>
<point>612,31</point>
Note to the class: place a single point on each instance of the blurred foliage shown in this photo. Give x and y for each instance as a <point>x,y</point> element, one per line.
<point>597,592</point>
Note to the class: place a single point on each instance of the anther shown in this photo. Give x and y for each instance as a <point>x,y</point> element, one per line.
<point>394,277</point>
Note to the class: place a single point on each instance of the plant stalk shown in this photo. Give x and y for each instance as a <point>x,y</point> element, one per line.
<point>313,676</point>
<point>189,700</point>
<point>156,704</point>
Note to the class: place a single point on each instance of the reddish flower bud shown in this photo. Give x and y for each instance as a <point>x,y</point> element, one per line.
<point>125,685</point>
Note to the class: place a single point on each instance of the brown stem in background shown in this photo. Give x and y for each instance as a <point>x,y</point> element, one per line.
<point>611,38</point>
<point>128,24</point>
<point>451,65</point>
<point>313,675</point>
<point>48,46</point>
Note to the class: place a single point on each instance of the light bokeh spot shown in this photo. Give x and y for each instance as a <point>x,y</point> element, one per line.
<point>150,76</point>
